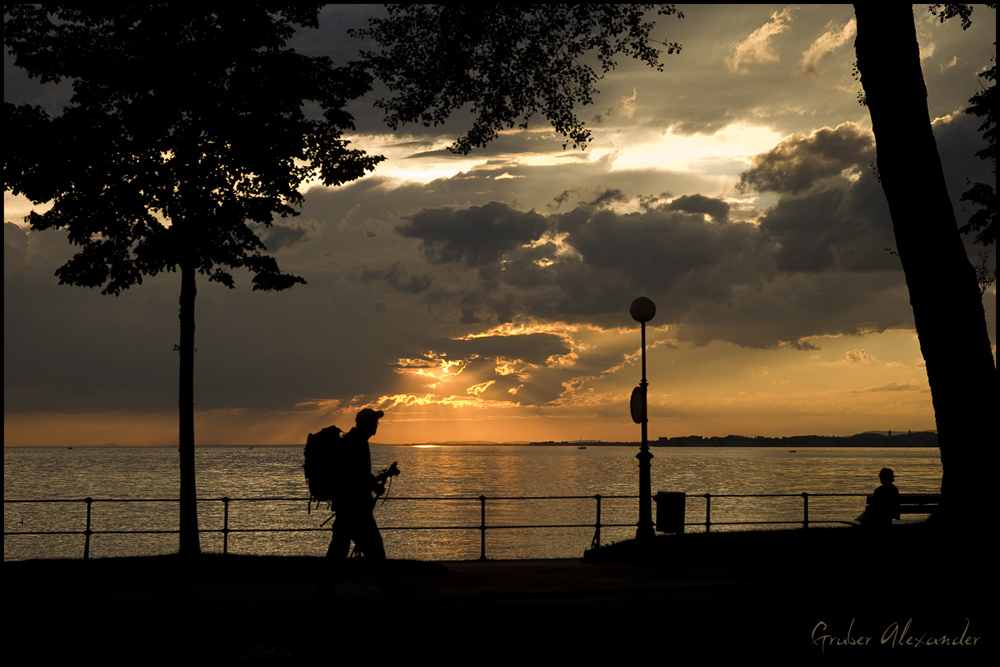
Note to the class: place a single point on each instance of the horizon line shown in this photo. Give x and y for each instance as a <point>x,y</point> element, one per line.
<point>446,443</point>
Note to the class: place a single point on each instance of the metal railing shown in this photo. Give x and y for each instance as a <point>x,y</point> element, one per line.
<point>483,526</point>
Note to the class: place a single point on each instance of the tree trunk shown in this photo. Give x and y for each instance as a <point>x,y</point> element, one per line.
<point>190,544</point>
<point>947,308</point>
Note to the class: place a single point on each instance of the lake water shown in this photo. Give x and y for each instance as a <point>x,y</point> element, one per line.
<point>455,476</point>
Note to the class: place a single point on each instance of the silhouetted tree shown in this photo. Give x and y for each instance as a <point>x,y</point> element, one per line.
<point>947,310</point>
<point>186,133</point>
<point>504,62</point>
<point>982,196</point>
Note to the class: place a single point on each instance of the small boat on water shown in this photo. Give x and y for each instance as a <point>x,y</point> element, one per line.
<point>581,447</point>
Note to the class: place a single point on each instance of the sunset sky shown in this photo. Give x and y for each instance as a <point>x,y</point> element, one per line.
<point>485,297</point>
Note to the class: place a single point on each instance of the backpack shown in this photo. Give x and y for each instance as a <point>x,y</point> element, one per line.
<point>322,455</point>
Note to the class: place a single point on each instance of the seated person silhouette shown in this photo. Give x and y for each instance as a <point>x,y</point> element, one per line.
<point>883,504</point>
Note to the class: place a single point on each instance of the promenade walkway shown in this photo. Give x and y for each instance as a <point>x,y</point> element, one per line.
<point>267,610</point>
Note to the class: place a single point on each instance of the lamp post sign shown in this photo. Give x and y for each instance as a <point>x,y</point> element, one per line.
<point>642,310</point>
<point>637,405</point>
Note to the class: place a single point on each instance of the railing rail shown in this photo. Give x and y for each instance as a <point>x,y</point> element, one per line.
<point>483,526</point>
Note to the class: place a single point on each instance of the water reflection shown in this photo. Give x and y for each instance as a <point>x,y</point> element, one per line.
<point>458,473</point>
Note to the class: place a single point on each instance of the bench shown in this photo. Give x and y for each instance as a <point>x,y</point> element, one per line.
<point>910,503</point>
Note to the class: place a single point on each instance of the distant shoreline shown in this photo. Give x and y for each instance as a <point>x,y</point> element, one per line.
<point>871,439</point>
<point>888,439</point>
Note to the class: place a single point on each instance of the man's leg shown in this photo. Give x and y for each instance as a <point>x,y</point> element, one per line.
<point>368,538</point>
<point>336,554</point>
<point>369,541</point>
<point>340,538</point>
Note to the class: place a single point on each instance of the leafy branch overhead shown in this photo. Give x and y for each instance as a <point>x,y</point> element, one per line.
<point>503,63</point>
<point>983,195</point>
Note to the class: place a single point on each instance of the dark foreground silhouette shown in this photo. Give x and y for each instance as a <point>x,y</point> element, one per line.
<point>883,505</point>
<point>737,596</point>
<point>339,471</point>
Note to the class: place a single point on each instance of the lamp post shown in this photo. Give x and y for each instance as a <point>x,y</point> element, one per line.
<point>642,310</point>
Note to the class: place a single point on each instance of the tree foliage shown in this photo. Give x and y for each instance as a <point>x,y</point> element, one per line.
<point>950,11</point>
<point>186,133</point>
<point>983,195</point>
<point>504,63</point>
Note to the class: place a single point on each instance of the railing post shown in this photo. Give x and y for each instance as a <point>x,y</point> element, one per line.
<point>482,527</point>
<point>598,525</point>
<point>225,525</point>
<point>708,512</point>
<point>596,542</point>
<point>87,531</point>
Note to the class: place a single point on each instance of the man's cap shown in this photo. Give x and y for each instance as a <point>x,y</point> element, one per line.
<point>369,415</point>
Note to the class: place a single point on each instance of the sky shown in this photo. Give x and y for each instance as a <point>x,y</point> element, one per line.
<point>486,297</point>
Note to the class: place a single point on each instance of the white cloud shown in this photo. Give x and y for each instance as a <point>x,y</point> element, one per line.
<point>827,43</point>
<point>757,47</point>
<point>951,63</point>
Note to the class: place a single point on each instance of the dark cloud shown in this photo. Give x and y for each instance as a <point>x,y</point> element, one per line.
<point>499,149</point>
<point>673,253</point>
<point>15,245</point>
<point>649,202</point>
<point>285,235</point>
<point>805,230</point>
<point>399,279</point>
<point>609,196</point>
<point>15,236</point>
<point>530,348</point>
<point>605,257</point>
<point>893,386</point>
<point>94,348</point>
<point>815,264</point>
<point>807,305</point>
<point>797,163</point>
<point>718,209</point>
<point>958,137</point>
<point>477,235</point>
<point>563,197</point>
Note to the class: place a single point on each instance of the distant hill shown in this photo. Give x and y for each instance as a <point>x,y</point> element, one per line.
<point>869,439</point>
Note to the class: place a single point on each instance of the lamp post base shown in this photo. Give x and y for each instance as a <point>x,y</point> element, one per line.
<point>645,529</point>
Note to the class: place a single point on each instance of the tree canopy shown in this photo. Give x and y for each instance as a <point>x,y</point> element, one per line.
<point>983,196</point>
<point>186,133</point>
<point>503,62</point>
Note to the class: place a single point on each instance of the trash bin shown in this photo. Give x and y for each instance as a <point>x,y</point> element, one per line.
<point>670,511</point>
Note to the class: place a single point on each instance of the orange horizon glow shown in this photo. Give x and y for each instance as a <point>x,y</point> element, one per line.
<point>849,385</point>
